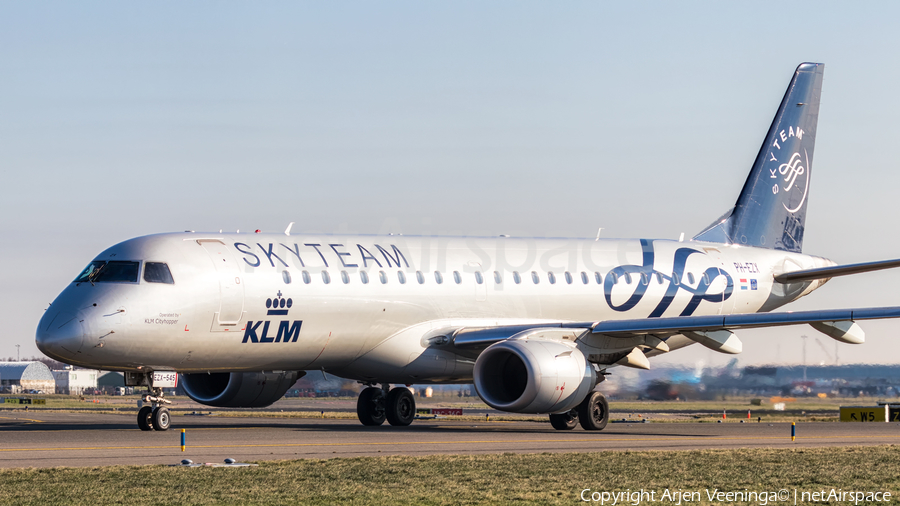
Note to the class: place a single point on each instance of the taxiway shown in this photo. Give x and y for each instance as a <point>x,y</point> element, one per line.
<point>35,439</point>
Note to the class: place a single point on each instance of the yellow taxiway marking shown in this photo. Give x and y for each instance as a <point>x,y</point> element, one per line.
<point>17,418</point>
<point>410,443</point>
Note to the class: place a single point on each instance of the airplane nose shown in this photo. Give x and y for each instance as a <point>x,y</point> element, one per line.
<point>60,336</point>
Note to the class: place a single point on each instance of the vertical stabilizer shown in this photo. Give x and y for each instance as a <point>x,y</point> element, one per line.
<point>771,209</point>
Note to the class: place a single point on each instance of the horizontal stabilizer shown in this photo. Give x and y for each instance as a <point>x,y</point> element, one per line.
<point>837,270</point>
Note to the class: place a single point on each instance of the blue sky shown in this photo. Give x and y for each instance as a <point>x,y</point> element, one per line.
<point>523,118</point>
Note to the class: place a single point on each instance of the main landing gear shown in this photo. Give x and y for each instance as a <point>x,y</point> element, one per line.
<point>592,413</point>
<point>156,415</point>
<point>375,405</point>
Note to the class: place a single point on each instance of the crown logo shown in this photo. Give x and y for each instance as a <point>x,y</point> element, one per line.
<point>278,305</point>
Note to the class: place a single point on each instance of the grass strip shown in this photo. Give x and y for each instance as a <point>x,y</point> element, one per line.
<point>468,479</point>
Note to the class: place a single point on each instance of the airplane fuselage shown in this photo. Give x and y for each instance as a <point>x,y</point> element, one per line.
<point>359,306</point>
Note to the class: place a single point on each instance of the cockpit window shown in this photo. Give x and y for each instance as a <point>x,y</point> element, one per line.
<point>114,271</point>
<point>157,272</point>
<point>90,271</point>
<point>118,271</point>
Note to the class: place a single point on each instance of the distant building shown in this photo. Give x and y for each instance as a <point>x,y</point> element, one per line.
<point>19,377</point>
<point>76,381</point>
<point>110,380</point>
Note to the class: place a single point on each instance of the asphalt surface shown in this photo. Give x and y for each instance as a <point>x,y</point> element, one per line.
<point>34,439</point>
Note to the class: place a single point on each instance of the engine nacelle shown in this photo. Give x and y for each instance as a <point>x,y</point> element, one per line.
<point>533,376</point>
<point>239,389</point>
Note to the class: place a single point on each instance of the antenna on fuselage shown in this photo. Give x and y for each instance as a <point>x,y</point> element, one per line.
<point>287,231</point>
<point>598,233</point>
<point>681,238</point>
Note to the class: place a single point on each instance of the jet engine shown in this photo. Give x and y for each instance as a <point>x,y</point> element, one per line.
<point>533,376</point>
<point>239,389</point>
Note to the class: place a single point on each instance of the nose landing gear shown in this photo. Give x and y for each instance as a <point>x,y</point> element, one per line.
<point>156,415</point>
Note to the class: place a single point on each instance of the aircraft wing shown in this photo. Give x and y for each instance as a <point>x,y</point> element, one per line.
<point>679,324</point>
<point>713,332</point>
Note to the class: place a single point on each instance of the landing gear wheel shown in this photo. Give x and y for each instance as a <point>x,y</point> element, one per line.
<point>145,418</point>
<point>370,406</point>
<point>401,407</point>
<point>564,421</point>
<point>593,412</point>
<point>161,418</point>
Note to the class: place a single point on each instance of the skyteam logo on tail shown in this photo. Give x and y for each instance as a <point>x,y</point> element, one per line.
<point>793,173</point>
<point>288,331</point>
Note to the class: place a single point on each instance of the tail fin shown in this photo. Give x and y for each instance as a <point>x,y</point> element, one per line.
<point>771,209</point>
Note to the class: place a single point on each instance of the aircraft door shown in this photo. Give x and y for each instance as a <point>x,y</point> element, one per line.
<point>231,291</point>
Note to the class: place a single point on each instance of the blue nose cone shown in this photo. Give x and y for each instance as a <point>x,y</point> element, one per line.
<point>60,335</point>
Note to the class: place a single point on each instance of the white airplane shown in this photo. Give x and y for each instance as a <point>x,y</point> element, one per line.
<point>534,323</point>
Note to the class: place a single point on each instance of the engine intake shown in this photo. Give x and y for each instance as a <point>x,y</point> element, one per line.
<point>533,376</point>
<point>239,389</point>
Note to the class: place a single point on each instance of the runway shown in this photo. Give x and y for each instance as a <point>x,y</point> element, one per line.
<point>36,439</point>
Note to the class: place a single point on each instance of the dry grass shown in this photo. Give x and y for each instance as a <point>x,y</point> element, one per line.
<point>478,479</point>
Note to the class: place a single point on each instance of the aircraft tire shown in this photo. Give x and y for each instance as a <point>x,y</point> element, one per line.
<point>593,412</point>
<point>370,407</point>
<point>401,407</point>
<point>145,418</point>
<point>564,421</point>
<point>161,419</point>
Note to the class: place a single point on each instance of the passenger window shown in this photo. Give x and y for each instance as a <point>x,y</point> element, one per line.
<point>675,280</point>
<point>478,278</point>
<point>345,277</point>
<point>535,278</point>
<point>552,278</point>
<point>568,278</point>
<point>401,277</point>
<point>364,277</point>
<point>615,277</point>
<point>457,277</point>
<point>438,278</point>
<point>690,278</point>
<point>645,280</point>
<point>326,278</point>
<point>516,277</point>
<point>627,278</point>
<point>497,278</point>
<point>285,275</point>
<point>659,278</point>
<point>420,277</point>
<point>383,277</point>
<point>598,278</point>
<point>306,278</point>
<point>705,278</point>
<point>584,277</point>
<point>156,272</point>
